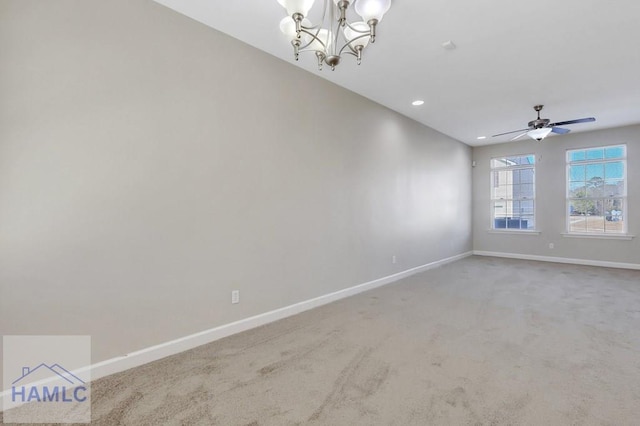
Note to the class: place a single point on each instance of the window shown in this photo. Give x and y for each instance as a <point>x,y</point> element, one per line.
<point>597,190</point>
<point>513,192</point>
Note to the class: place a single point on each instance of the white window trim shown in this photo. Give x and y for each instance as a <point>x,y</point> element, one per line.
<point>514,231</point>
<point>598,236</point>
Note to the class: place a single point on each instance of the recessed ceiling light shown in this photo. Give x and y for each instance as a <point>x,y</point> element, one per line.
<point>417,103</point>
<point>481,137</point>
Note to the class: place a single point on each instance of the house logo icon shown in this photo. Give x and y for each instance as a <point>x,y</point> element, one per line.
<point>46,379</point>
<point>34,385</point>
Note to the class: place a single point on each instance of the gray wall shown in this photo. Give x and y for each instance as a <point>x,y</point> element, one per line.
<point>551,198</point>
<point>149,165</point>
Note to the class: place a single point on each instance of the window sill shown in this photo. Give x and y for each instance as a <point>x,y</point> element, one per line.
<point>514,231</point>
<point>599,236</point>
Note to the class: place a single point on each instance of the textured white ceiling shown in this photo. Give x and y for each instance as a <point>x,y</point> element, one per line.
<point>580,58</point>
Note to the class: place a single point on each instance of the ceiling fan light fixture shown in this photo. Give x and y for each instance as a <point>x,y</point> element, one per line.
<point>541,127</point>
<point>539,134</point>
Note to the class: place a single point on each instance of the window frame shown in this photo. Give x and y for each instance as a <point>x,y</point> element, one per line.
<point>493,172</point>
<point>623,197</point>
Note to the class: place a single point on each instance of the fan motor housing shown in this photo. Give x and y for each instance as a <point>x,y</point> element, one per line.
<point>539,123</point>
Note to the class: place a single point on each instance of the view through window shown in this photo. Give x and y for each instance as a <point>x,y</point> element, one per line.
<point>596,190</point>
<point>513,192</point>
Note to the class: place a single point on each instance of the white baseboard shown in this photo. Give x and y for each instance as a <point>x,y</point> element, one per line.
<point>153,353</point>
<point>603,263</point>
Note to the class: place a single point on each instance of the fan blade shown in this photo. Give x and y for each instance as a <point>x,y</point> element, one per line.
<point>519,136</point>
<point>513,131</point>
<point>560,130</point>
<point>579,120</point>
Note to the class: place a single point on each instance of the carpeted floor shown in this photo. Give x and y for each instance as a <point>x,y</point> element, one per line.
<point>482,341</point>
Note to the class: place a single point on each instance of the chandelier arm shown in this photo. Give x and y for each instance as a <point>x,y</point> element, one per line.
<point>312,51</point>
<point>348,44</point>
<point>351,50</point>
<point>349,53</point>
<point>311,28</point>
<point>367,31</point>
<point>314,37</point>
<point>325,9</point>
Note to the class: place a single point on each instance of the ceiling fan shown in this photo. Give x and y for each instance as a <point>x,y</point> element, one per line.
<point>541,127</point>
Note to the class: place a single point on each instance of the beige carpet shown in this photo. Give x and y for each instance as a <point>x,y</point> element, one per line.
<point>482,341</point>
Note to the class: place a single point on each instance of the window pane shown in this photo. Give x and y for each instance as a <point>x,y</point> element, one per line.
<point>614,152</point>
<point>599,211</point>
<point>577,173</point>
<point>581,207</point>
<point>614,221</point>
<point>591,221</point>
<point>517,192</point>
<point>495,193</point>
<point>499,214</point>
<point>576,155</point>
<point>594,171</point>
<point>499,210</point>
<point>577,190</point>
<point>526,175</point>
<point>511,161</point>
<point>508,208</point>
<point>595,220</point>
<point>515,223</point>
<point>528,222</point>
<point>613,187</point>
<point>577,219</point>
<point>595,154</point>
<point>496,163</point>
<point>595,187</point>
<point>515,212</point>
<point>614,170</point>
<point>526,208</point>
<point>526,191</point>
<point>502,192</point>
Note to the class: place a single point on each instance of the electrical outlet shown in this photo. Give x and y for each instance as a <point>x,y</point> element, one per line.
<point>393,259</point>
<point>235,296</point>
<point>551,245</point>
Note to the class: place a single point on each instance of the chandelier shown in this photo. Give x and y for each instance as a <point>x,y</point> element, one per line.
<point>334,35</point>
